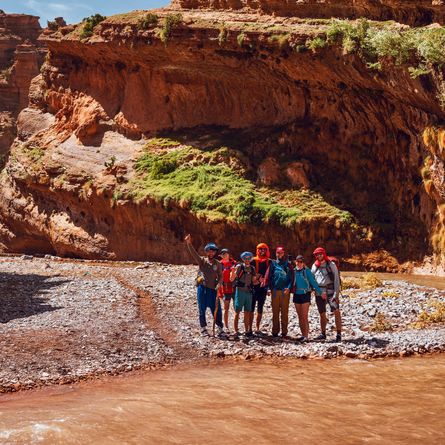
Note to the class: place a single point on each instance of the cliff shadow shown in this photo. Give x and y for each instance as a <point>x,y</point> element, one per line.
<point>24,295</point>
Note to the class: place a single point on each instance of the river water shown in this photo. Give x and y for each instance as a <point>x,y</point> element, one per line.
<point>398,401</point>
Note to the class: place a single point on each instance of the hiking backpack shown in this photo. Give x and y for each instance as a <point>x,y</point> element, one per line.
<point>238,282</point>
<point>336,261</point>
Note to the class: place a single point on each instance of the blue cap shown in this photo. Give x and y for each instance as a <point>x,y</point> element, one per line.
<point>210,246</point>
<point>246,256</point>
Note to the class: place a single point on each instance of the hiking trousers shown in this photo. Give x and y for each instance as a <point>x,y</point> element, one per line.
<point>280,307</point>
<point>207,299</point>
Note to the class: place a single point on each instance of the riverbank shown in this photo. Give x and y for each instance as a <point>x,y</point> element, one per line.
<point>63,321</point>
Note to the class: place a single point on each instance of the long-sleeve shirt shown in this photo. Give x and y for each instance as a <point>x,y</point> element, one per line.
<point>211,270</point>
<point>323,279</point>
<point>304,281</point>
<point>273,275</point>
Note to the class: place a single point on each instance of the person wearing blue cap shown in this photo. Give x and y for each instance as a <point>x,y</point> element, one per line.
<point>244,277</point>
<point>210,277</point>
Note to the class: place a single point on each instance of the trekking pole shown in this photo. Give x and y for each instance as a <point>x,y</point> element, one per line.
<point>215,313</point>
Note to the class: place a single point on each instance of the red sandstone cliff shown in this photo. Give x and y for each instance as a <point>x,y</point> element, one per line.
<point>20,60</point>
<point>351,133</point>
<point>411,12</point>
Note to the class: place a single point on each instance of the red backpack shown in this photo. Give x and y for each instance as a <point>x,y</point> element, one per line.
<point>227,284</point>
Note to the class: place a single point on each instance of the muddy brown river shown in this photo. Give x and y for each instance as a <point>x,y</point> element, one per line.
<point>399,401</point>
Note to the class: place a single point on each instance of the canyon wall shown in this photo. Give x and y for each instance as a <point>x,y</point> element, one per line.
<point>411,12</point>
<point>20,59</point>
<point>299,114</point>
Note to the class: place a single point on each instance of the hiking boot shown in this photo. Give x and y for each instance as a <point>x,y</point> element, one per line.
<point>220,331</point>
<point>321,337</point>
<point>204,332</point>
<point>236,335</point>
<point>249,334</point>
<point>302,339</point>
<point>338,337</point>
<point>259,333</point>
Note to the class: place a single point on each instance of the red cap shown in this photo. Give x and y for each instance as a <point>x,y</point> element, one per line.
<point>319,250</point>
<point>279,250</point>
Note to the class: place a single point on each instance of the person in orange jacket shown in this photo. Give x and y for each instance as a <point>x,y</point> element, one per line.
<point>261,263</point>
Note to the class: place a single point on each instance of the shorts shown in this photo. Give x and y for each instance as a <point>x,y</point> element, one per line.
<point>302,298</point>
<point>321,304</point>
<point>228,297</point>
<point>243,301</point>
<point>259,296</point>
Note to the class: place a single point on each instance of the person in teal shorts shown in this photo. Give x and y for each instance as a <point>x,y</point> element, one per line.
<point>243,277</point>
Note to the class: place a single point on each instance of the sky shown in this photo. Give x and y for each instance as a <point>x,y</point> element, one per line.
<point>75,11</point>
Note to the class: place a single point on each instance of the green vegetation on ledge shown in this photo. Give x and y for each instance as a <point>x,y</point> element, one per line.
<point>422,47</point>
<point>212,184</point>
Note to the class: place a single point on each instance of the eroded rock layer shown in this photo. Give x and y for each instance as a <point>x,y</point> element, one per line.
<point>20,59</point>
<point>412,12</point>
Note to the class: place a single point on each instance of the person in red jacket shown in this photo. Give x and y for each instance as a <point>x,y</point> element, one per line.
<point>228,291</point>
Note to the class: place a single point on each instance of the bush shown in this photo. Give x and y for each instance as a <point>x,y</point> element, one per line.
<point>316,43</point>
<point>380,324</point>
<point>222,36</point>
<point>240,39</point>
<point>371,280</point>
<point>89,24</point>
<point>350,283</point>
<point>434,314</point>
<point>148,21</point>
<point>170,21</point>
<point>281,39</point>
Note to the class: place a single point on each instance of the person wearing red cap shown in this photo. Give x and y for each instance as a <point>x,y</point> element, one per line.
<point>227,289</point>
<point>280,283</point>
<point>261,263</point>
<point>328,279</point>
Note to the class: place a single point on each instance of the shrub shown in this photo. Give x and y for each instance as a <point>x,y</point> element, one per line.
<point>434,314</point>
<point>110,163</point>
<point>350,283</point>
<point>89,24</point>
<point>148,21</point>
<point>170,21</point>
<point>316,43</point>
<point>240,39</point>
<point>371,280</point>
<point>281,39</point>
<point>380,323</point>
<point>222,36</point>
<point>416,72</point>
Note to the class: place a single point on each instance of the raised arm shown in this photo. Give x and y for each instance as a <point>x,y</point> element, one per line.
<point>192,250</point>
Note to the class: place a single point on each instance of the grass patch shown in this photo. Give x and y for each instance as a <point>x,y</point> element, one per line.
<point>380,323</point>
<point>390,294</point>
<point>89,24</point>
<point>212,184</point>
<point>435,313</point>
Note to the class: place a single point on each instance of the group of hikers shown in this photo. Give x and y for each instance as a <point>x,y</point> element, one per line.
<point>250,281</point>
